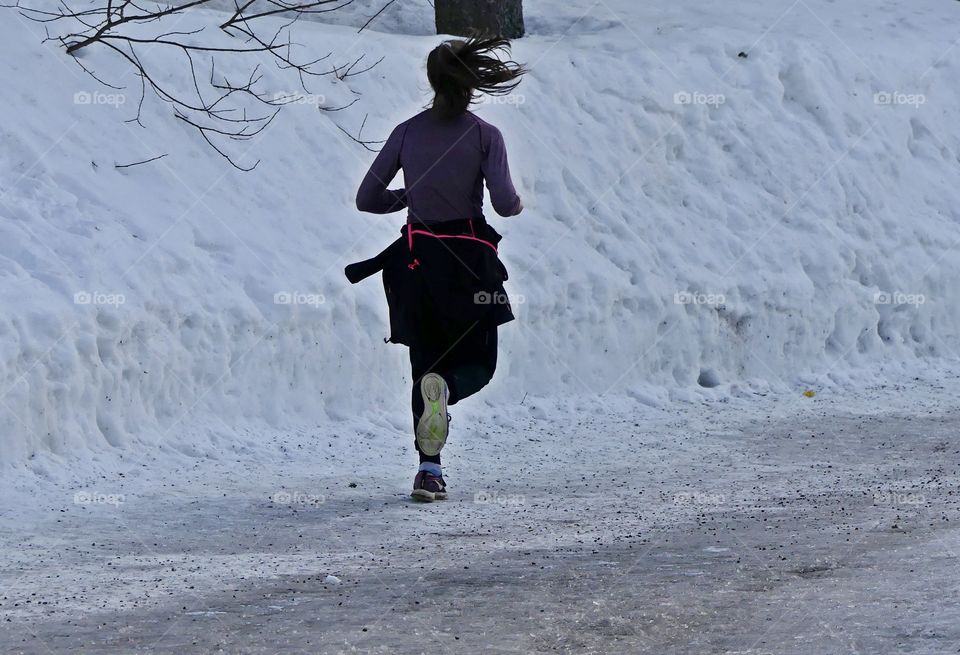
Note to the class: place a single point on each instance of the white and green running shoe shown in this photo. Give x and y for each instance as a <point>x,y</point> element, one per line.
<point>433,426</point>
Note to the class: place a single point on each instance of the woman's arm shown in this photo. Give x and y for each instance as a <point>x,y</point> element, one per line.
<point>373,195</point>
<point>496,171</point>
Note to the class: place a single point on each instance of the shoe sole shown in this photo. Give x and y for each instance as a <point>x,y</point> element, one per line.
<point>432,428</point>
<point>424,496</point>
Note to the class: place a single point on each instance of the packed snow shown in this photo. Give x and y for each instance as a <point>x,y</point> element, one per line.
<point>762,525</point>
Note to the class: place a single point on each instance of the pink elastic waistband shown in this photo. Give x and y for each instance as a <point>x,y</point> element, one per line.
<point>411,232</point>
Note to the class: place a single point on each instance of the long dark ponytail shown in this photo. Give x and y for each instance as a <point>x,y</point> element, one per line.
<point>458,69</point>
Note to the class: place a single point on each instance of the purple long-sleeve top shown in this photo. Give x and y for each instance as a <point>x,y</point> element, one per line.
<point>445,163</point>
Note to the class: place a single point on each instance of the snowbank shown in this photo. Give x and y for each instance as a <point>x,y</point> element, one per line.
<point>696,219</point>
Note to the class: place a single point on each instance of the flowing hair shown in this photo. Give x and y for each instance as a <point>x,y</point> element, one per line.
<point>457,70</point>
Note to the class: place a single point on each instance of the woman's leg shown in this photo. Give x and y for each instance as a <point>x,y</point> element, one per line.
<point>475,368</point>
<point>466,367</point>
<point>421,362</point>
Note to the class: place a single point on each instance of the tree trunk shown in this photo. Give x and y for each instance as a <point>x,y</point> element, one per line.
<point>489,17</point>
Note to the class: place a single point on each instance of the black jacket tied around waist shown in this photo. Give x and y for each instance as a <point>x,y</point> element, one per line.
<point>440,280</point>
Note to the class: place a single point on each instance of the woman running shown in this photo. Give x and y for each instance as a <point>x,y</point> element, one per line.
<point>443,279</point>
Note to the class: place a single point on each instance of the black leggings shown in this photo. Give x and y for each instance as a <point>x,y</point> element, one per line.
<point>466,366</point>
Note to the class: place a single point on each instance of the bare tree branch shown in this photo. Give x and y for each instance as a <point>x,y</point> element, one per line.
<point>366,143</point>
<point>374,17</point>
<point>138,163</point>
<point>219,108</point>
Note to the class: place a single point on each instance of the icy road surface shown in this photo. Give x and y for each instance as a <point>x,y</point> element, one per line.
<point>756,525</point>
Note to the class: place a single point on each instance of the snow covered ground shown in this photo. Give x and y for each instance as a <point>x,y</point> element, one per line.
<point>727,205</point>
<point>759,525</point>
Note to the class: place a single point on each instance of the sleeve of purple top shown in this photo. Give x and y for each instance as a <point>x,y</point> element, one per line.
<point>496,171</point>
<point>373,195</point>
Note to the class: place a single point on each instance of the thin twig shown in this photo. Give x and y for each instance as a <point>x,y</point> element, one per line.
<point>138,163</point>
<point>372,18</point>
